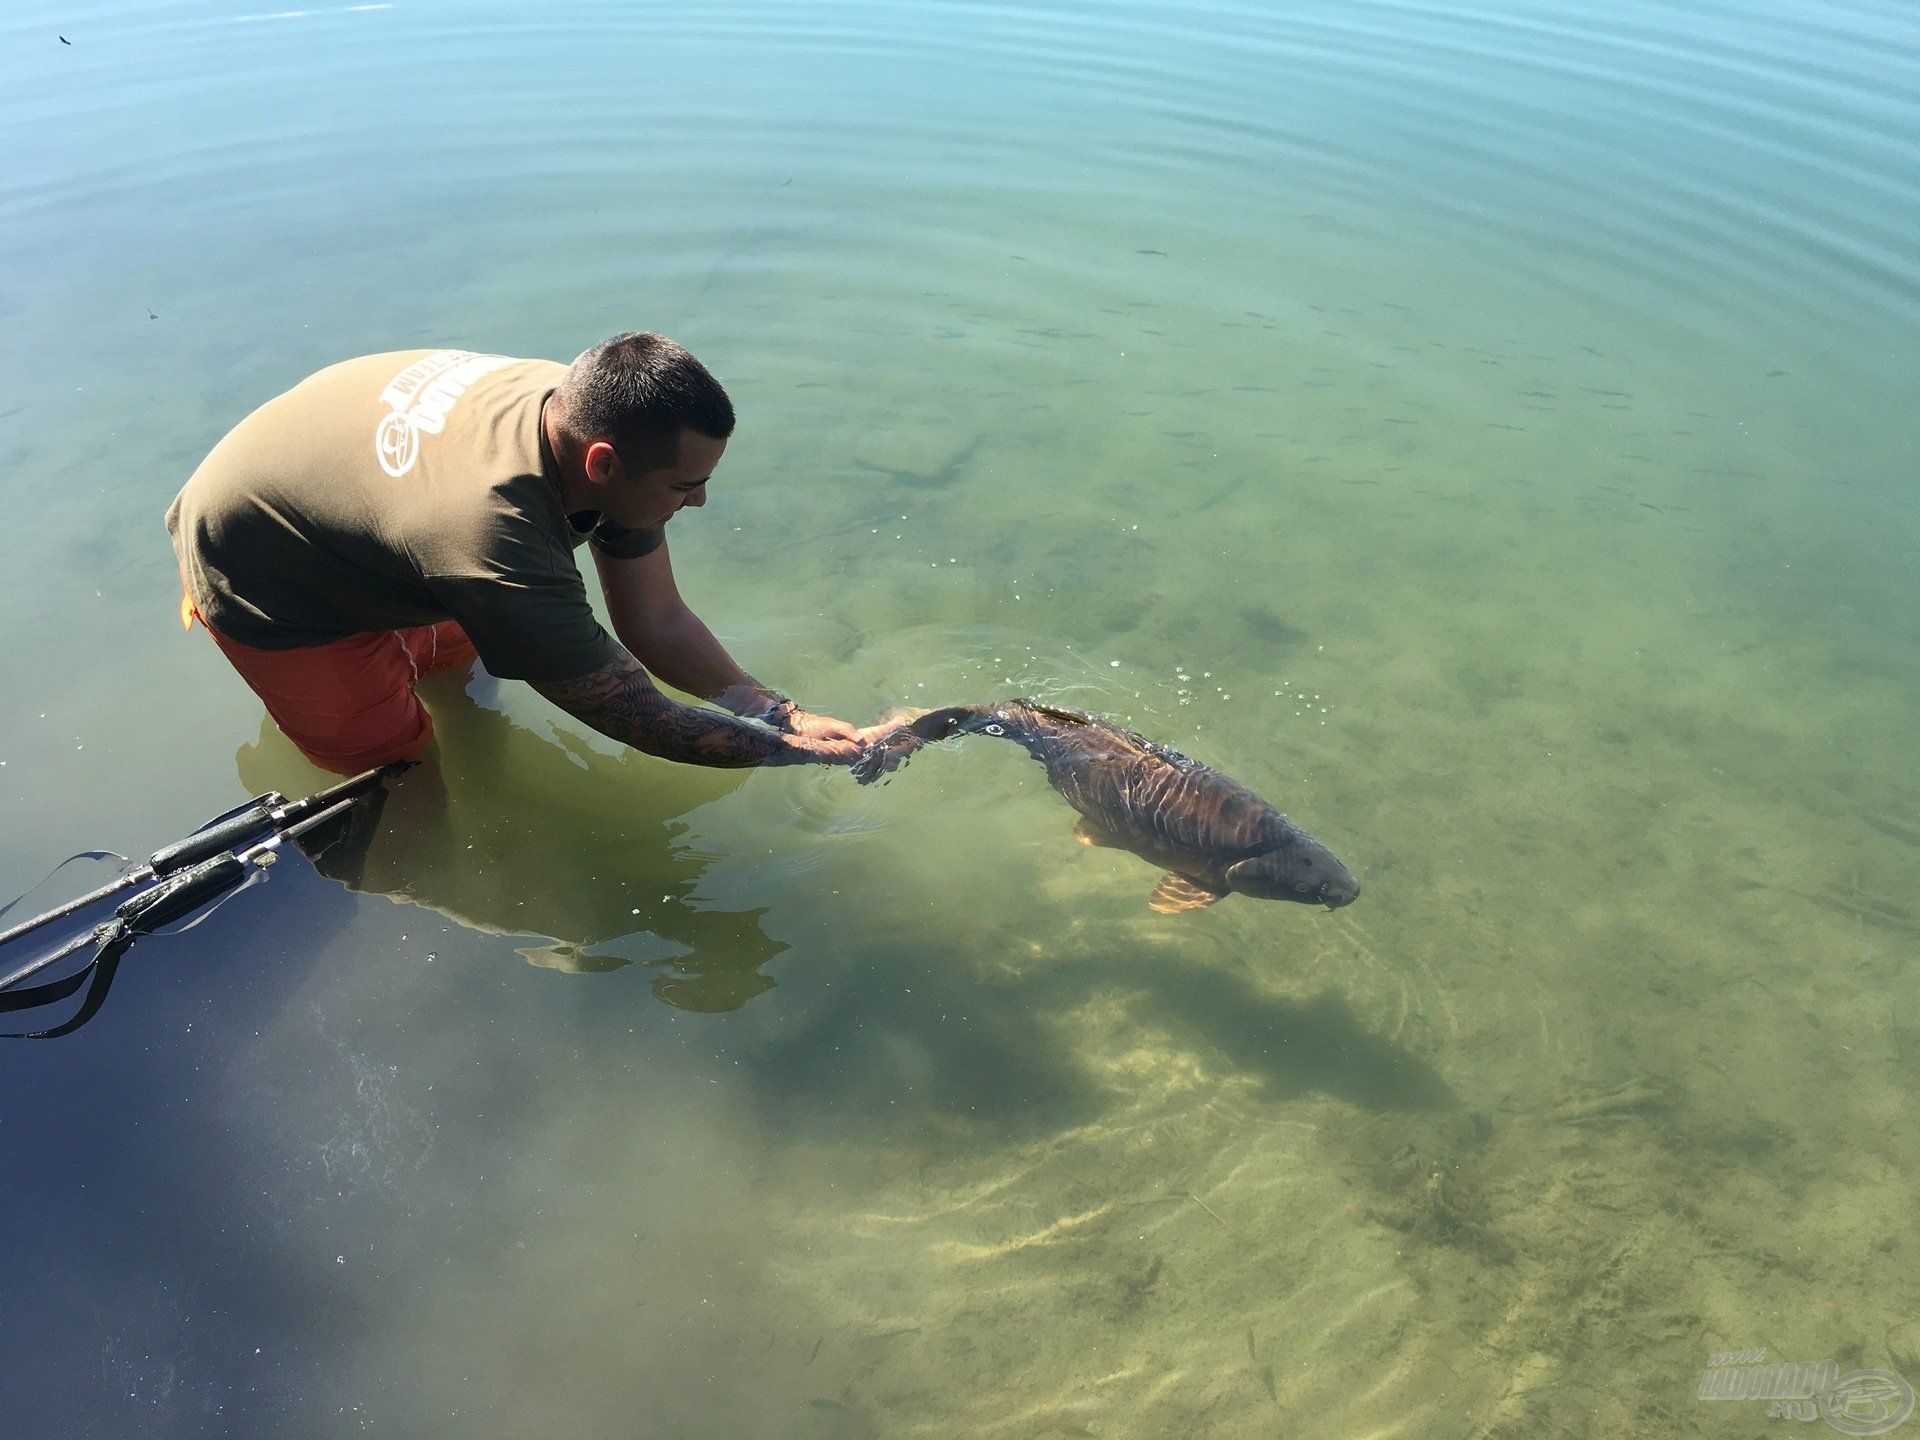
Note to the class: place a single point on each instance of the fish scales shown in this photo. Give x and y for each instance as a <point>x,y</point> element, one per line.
<point>1109,774</point>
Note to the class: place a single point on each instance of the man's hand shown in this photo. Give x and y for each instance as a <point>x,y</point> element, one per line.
<point>817,727</point>
<point>873,752</point>
<point>812,750</point>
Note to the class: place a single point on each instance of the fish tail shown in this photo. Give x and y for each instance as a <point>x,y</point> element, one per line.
<point>902,715</point>
<point>910,729</point>
<point>938,724</point>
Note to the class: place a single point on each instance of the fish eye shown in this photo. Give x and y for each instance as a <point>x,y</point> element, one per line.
<point>996,729</point>
<point>1306,862</point>
<point>1302,889</point>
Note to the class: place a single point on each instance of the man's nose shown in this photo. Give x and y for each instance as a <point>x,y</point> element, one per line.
<point>696,498</point>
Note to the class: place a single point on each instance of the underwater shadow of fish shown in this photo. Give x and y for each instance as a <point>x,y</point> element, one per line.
<point>1212,835</point>
<point>1294,1046</point>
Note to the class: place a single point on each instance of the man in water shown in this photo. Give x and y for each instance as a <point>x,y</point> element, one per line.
<point>401,514</point>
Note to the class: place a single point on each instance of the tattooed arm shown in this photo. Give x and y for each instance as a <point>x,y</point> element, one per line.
<point>621,702</point>
<point>661,631</point>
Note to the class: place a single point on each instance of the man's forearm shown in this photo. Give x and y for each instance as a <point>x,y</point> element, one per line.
<point>620,702</point>
<point>684,653</point>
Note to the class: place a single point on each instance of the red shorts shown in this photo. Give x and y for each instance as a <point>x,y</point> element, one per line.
<point>349,705</point>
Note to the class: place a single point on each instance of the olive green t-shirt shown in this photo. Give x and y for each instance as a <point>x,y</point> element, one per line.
<point>398,490</point>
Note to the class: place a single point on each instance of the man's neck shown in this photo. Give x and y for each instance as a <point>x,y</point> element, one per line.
<point>565,466</point>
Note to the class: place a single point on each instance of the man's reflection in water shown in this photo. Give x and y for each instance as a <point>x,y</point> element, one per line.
<point>515,832</point>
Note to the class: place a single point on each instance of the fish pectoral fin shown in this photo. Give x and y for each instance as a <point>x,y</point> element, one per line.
<point>1088,833</point>
<point>1175,894</point>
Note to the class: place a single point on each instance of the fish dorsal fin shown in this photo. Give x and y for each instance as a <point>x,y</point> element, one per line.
<point>1167,753</point>
<point>1175,894</point>
<point>1131,737</point>
<point>1056,712</point>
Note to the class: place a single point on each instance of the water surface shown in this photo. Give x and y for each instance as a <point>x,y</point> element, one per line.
<point>1480,428</point>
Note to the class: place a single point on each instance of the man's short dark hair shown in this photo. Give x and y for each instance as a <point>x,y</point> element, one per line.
<point>638,391</point>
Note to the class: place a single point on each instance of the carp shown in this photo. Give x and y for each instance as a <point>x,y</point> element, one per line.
<point>1212,835</point>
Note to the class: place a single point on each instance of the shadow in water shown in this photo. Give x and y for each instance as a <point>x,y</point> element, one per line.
<point>956,1064</point>
<point>963,1059</point>
<point>514,832</point>
<point>1295,1045</point>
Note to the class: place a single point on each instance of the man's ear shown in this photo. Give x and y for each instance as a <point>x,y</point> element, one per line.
<point>600,462</point>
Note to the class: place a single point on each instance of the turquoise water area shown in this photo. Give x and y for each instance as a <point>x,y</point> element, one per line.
<point>1482,428</point>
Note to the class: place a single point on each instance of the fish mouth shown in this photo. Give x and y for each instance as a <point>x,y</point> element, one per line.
<point>1335,897</point>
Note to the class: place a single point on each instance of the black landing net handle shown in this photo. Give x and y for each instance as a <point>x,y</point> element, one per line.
<point>223,832</point>
<point>188,875</point>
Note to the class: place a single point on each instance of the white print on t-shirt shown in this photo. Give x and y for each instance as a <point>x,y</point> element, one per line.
<point>420,396</point>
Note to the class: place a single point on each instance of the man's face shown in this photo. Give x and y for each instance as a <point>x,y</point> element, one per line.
<point>645,499</point>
